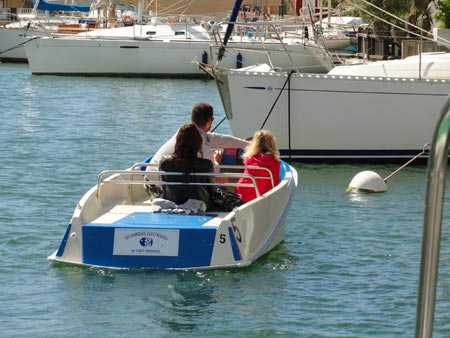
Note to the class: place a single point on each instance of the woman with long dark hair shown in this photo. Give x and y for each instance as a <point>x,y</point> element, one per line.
<point>187,159</point>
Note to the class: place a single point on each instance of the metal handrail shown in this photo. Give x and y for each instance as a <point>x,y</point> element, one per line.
<point>436,173</point>
<point>145,179</point>
<point>255,167</point>
<point>145,174</point>
<point>270,25</point>
<point>221,166</point>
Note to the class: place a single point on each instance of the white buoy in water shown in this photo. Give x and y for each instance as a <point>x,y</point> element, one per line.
<point>370,181</point>
<point>367,181</point>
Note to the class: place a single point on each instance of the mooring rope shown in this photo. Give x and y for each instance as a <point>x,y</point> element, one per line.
<point>424,150</point>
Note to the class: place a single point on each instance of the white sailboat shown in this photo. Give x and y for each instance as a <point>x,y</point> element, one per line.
<point>161,50</point>
<point>334,118</point>
<point>379,112</point>
<point>166,49</point>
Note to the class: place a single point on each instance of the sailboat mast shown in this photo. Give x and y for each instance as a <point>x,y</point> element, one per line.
<point>140,11</point>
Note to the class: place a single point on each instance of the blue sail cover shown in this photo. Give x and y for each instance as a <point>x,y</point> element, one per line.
<point>56,6</point>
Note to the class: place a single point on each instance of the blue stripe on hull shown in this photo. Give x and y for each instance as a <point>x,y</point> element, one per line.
<point>234,245</point>
<point>62,245</point>
<point>195,242</point>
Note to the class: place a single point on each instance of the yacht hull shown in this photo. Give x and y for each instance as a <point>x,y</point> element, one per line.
<point>157,58</point>
<point>328,118</point>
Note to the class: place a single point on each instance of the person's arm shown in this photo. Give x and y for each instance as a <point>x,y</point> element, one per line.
<point>226,141</point>
<point>218,156</point>
<point>165,150</point>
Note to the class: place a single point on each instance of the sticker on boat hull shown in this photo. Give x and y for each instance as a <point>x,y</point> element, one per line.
<point>145,242</point>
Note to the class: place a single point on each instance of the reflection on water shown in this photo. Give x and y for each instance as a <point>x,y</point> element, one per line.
<point>29,112</point>
<point>175,301</point>
<point>192,294</point>
<point>359,197</point>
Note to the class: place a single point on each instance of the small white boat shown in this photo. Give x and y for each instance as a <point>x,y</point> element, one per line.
<point>114,225</point>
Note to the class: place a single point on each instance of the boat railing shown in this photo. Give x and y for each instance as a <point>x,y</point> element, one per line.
<point>222,167</point>
<point>251,167</point>
<point>261,32</point>
<point>153,177</point>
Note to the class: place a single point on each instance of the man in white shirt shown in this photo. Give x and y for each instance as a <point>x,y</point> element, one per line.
<point>202,117</point>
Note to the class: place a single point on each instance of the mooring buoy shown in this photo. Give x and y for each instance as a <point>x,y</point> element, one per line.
<point>369,181</point>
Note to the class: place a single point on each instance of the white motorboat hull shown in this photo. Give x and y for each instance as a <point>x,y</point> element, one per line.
<point>113,226</point>
<point>156,58</point>
<point>332,118</point>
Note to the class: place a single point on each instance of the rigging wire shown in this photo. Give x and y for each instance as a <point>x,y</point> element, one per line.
<point>19,45</point>
<point>218,124</point>
<point>276,100</point>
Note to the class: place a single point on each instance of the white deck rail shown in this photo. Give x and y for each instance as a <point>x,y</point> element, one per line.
<point>146,176</point>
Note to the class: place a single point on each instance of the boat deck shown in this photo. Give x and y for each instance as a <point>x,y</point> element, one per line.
<point>141,215</point>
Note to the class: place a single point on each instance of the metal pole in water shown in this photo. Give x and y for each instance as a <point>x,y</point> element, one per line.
<point>436,172</point>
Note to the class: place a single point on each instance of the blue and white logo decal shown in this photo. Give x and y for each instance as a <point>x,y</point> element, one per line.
<point>146,241</point>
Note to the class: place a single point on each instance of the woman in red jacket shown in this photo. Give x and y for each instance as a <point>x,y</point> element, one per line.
<point>263,152</point>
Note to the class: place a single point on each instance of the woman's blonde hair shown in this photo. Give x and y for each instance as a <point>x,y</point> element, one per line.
<point>263,142</point>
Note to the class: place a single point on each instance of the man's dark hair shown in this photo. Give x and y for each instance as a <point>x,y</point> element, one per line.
<point>201,113</point>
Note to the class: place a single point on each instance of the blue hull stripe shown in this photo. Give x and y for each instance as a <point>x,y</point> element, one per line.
<point>234,246</point>
<point>350,152</point>
<point>62,245</point>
